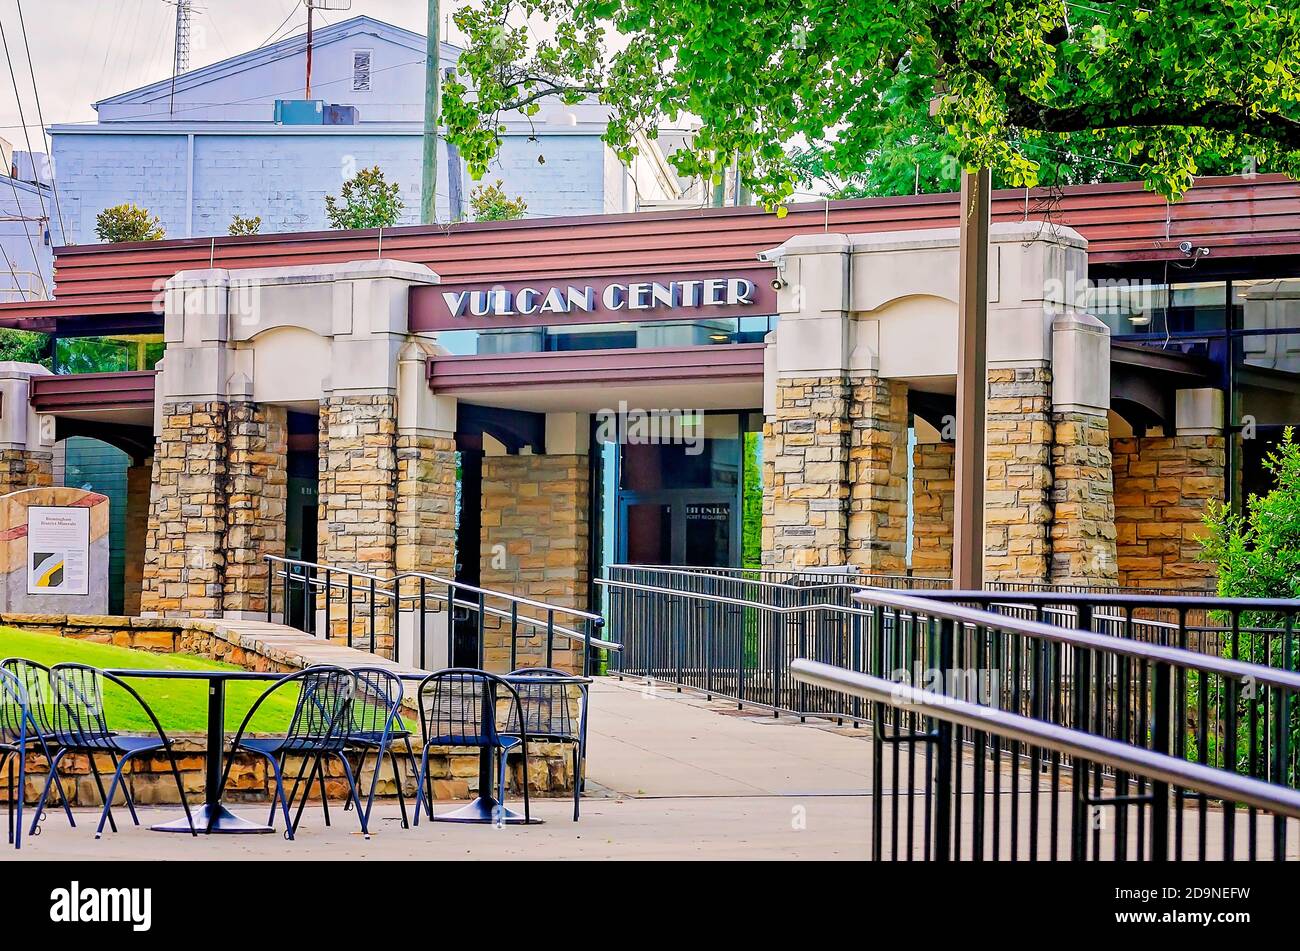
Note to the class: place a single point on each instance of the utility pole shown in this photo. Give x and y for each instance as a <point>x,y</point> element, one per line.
<point>310,8</point>
<point>972,380</point>
<point>432,88</point>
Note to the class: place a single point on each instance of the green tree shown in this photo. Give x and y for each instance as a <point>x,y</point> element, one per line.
<point>25,346</point>
<point>239,225</point>
<point>368,201</point>
<point>1257,555</point>
<point>491,203</point>
<point>1171,87</point>
<point>128,222</point>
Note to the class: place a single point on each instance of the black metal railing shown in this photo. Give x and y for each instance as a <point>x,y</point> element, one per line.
<point>1258,630</point>
<point>939,794</point>
<point>368,611</point>
<point>1222,712</point>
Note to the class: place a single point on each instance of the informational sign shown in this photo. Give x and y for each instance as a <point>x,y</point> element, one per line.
<point>708,512</point>
<point>603,299</point>
<point>58,550</point>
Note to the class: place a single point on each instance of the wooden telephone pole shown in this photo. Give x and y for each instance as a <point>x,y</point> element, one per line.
<point>432,90</point>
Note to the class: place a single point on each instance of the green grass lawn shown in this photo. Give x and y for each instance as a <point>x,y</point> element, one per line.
<point>181,705</point>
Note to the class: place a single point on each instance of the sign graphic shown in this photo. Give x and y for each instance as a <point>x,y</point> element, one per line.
<point>58,550</point>
<point>585,300</point>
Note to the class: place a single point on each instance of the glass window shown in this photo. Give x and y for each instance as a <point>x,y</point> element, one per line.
<point>1128,307</point>
<point>608,336</point>
<point>107,354</point>
<point>1140,307</point>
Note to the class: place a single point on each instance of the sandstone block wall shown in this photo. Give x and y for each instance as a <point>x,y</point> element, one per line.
<point>1162,487</point>
<point>877,476</point>
<point>1018,475</point>
<point>257,494</point>
<point>185,543</point>
<point>25,469</point>
<point>535,529</point>
<point>357,499</point>
<point>806,466</point>
<point>933,502</point>
<point>1083,502</point>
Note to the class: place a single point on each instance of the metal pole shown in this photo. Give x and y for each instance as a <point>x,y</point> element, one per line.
<point>972,381</point>
<point>429,180</point>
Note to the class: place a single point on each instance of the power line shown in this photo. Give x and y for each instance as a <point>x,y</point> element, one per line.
<point>45,142</point>
<point>12,184</point>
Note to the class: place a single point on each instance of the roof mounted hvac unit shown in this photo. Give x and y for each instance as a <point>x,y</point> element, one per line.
<point>300,112</point>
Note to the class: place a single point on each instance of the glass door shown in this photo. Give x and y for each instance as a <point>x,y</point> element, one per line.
<point>692,527</point>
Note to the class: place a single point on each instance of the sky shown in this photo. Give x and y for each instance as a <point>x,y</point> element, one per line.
<point>87,50</point>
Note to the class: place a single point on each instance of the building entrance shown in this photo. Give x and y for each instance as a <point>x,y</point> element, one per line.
<point>696,527</point>
<point>684,503</point>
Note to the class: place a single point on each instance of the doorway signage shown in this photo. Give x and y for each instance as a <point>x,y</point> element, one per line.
<point>606,299</point>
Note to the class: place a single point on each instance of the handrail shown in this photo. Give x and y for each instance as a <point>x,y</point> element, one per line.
<point>438,595</point>
<point>315,577</point>
<point>973,617</point>
<point>1175,656</point>
<point>1086,746</point>
<point>438,579</point>
<point>1168,601</point>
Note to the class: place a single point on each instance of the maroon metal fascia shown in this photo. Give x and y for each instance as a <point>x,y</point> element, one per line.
<point>724,363</point>
<point>132,389</point>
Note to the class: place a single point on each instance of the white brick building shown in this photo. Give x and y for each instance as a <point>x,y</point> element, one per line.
<point>210,148</point>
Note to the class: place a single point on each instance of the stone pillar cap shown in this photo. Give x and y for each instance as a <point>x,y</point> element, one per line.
<point>14,370</point>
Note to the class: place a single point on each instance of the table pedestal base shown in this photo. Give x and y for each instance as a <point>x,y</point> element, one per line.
<point>217,820</point>
<point>483,810</point>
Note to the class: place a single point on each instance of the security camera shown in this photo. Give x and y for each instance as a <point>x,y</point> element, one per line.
<point>778,283</point>
<point>1185,247</point>
<point>765,257</point>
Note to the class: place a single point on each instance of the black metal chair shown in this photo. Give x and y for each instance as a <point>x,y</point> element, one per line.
<point>35,681</point>
<point>80,726</point>
<point>458,707</point>
<point>16,727</point>
<point>317,730</point>
<point>554,708</point>
<point>377,725</point>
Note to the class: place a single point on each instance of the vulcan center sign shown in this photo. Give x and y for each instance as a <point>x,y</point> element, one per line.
<point>595,300</point>
<point>639,295</point>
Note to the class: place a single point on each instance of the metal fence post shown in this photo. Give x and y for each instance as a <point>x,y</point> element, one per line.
<point>1160,743</point>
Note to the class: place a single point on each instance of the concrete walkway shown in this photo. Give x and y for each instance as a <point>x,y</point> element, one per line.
<point>672,776</point>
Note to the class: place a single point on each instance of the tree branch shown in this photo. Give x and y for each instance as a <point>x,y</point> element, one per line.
<point>1217,116</point>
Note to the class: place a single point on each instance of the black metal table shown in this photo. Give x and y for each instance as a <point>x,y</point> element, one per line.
<point>212,817</point>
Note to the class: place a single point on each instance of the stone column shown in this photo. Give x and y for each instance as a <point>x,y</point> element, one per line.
<point>1083,526</point>
<point>1162,487</point>
<point>806,462</point>
<point>535,537</point>
<point>1017,488</point>
<point>257,493</point>
<point>138,481</point>
<point>933,503</point>
<point>26,457</point>
<point>357,493</point>
<point>185,542</point>
<point>426,471</point>
<point>877,505</point>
